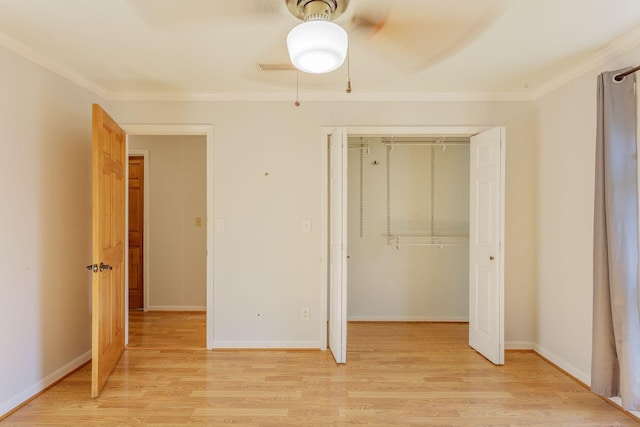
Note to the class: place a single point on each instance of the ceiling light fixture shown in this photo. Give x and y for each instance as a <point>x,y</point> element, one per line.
<point>317,45</point>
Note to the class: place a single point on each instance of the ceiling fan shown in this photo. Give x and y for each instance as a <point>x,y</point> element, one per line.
<point>410,34</point>
<point>317,45</point>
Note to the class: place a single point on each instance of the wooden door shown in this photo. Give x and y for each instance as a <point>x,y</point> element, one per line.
<point>338,245</point>
<point>136,232</point>
<point>486,271</point>
<point>108,189</point>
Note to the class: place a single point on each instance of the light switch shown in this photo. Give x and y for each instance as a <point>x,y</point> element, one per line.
<point>306,225</point>
<point>198,221</point>
<point>220,224</point>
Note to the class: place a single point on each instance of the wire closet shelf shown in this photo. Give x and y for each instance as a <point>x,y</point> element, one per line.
<point>431,238</point>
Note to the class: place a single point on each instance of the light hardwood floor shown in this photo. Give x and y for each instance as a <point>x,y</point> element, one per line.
<point>409,374</point>
<point>167,330</point>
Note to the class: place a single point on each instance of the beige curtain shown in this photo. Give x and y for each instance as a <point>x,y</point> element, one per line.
<point>615,368</point>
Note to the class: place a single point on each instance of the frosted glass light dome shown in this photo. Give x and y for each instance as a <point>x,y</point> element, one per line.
<point>317,46</point>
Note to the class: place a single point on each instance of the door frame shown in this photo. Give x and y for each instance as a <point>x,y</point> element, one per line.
<point>177,129</point>
<point>144,153</point>
<point>461,131</point>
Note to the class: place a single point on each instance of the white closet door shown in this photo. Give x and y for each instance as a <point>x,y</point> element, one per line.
<point>486,270</point>
<point>338,244</point>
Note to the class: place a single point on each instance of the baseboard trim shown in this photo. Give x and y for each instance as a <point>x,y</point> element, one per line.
<point>295,345</point>
<point>518,345</point>
<point>582,378</point>
<point>177,308</point>
<point>559,362</point>
<point>617,402</point>
<point>452,319</point>
<point>19,400</point>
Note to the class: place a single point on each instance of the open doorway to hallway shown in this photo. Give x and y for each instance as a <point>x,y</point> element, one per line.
<point>167,241</point>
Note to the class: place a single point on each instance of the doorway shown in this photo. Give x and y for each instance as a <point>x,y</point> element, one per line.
<point>486,231</point>
<point>407,229</point>
<point>198,222</point>
<point>175,287</point>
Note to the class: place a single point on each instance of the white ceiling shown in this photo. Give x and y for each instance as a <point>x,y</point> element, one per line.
<point>428,49</point>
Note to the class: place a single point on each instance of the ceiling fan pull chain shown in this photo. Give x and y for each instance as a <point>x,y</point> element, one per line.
<point>348,71</point>
<point>297,103</point>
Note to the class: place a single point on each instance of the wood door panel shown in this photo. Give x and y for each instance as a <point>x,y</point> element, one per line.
<point>135,271</point>
<point>105,209</point>
<point>105,316</point>
<point>118,299</point>
<point>108,148</point>
<point>135,215</point>
<point>136,232</point>
<point>117,238</point>
<point>135,239</point>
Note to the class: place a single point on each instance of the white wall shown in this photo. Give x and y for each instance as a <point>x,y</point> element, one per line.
<point>263,260</point>
<point>412,282</point>
<point>45,228</point>
<point>566,173</point>
<point>267,178</point>
<point>177,195</point>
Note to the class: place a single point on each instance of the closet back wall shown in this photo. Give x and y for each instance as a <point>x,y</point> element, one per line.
<point>409,283</point>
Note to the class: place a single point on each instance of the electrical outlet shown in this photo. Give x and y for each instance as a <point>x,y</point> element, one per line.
<point>305,314</point>
<point>258,315</point>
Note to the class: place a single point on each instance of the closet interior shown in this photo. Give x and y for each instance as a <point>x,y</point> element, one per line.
<point>408,227</point>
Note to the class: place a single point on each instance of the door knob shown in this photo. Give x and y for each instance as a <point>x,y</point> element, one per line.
<point>104,266</point>
<point>93,267</point>
<point>491,258</point>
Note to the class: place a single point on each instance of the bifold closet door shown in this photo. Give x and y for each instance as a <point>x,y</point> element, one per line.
<point>486,283</point>
<point>338,244</point>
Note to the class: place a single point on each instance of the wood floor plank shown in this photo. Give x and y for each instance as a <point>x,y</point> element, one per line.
<point>408,374</point>
<point>428,395</point>
<point>167,330</point>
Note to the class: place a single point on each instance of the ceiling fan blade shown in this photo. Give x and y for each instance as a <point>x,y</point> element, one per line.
<point>277,67</point>
<point>364,18</point>
<point>417,42</point>
<point>368,23</point>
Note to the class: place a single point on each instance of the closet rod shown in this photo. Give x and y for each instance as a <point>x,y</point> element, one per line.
<point>621,76</point>
<point>362,147</point>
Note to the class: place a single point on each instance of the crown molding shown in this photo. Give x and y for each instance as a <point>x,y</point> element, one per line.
<point>73,76</point>
<point>612,50</point>
<point>325,97</point>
